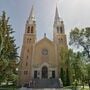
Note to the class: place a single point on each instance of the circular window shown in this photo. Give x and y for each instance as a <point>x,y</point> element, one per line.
<point>45,52</point>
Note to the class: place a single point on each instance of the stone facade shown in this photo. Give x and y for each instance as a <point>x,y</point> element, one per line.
<point>41,59</point>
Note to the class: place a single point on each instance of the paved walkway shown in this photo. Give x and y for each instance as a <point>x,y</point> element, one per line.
<point>43,89</point>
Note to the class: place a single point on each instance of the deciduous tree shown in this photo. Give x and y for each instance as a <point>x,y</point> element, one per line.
<point>81,38</point>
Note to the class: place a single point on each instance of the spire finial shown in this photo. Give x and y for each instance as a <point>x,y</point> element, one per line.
<point>44,34</point>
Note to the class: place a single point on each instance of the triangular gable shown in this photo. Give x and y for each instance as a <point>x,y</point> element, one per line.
<point>45,39</point>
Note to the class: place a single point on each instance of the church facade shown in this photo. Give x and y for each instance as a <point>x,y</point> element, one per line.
<point>41,59</point>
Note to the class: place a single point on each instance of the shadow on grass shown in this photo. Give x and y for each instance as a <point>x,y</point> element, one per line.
<point>8,87</point>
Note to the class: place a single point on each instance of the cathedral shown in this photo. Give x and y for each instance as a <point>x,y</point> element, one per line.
<point>40,59</point>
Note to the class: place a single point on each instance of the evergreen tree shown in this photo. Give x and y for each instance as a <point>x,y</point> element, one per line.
<point>67,78</point>
<point>62,76</point>
<point>8,50</point>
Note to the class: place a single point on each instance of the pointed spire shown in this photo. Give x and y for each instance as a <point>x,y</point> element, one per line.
<point>32,15</point>
<point>57,18</point>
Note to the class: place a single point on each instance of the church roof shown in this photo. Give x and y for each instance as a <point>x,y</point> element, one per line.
<point>45,39</point>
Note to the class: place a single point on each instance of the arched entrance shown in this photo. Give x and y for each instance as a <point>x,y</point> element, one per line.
<point>44,72</point>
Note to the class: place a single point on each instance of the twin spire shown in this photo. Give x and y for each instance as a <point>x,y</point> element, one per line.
<point>32,15</point>
<point>57,18</point>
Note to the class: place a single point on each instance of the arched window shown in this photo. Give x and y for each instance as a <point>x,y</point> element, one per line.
<point>27,57</point>
<point>32,29</point>
<point>57,29</point>
<point>25,72</point>
<point>30,40</point>
<point>61,40</point>
<point>28,31</point>
<point>61,30</point>
<point>44,72</point>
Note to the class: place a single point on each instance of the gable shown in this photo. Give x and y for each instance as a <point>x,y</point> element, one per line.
<point>44,51</point>
<point>45,40</point>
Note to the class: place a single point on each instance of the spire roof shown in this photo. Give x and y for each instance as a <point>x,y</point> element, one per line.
<point>57,18</point>
<point>32,15</point>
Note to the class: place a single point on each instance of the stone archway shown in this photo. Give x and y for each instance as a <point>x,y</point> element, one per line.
<point>44,72</point>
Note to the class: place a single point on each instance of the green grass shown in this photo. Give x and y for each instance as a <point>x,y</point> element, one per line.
<point>8,89</point>
<point>85,88</point>
<point>81,88</point>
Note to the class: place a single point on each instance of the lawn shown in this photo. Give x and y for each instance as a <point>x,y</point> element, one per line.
<point>8,89</point>
<point>79,88</point>
<point>85,88</point>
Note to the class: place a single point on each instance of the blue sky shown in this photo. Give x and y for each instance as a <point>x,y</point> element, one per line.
<point>73,12</point>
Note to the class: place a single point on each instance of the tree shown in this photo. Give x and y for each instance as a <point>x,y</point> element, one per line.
<point>62,76</point>
<point>78,67</point>
<point>88,70</point>
<point>64,62</point>
<point>67,77</point>
<point>81,38</point>
<point>8,49</point>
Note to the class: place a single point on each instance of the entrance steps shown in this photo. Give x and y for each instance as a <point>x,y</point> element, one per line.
<point>46,83</point>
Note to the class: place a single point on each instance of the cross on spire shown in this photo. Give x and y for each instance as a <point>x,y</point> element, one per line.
<point>44,34</point>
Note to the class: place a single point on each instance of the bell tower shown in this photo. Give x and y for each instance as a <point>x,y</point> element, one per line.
<point>30,30</point>
<point>59,36</point>
<point>25,67</point>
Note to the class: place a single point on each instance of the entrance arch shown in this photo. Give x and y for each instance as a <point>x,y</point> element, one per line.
<point>44,72</point>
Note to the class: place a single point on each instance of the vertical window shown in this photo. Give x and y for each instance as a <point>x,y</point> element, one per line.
<point>61,30</point>
<point>28,31</point>
<point>25,72</point>
<point>53,74</point>
<point>57,29</point>
<point>59,40</point>
<point>27,57</point>
<point>35,74</point>
<point>30,40</point>
<point>27,40</point>
<point>32,29</point>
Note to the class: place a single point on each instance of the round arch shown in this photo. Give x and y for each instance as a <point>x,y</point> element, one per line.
<point>44,72</point>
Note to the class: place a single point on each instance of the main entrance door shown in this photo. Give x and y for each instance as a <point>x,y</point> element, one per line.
<point>44,72</point>
<point>53,74</point>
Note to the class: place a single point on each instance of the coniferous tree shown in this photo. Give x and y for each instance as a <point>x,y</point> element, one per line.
<point>62,76</point>
<point>67,78</point>
<point>8,50</point>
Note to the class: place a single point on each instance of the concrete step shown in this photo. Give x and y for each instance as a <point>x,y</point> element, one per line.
<point>45,83</point>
